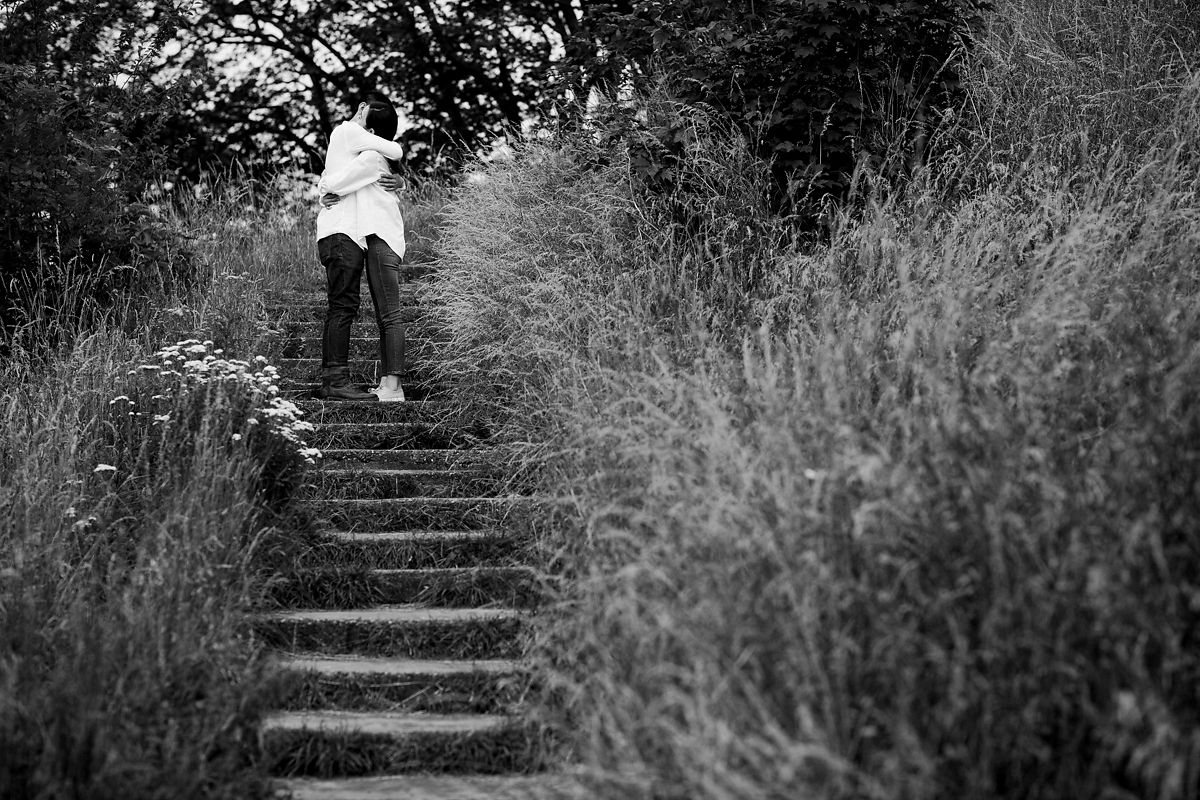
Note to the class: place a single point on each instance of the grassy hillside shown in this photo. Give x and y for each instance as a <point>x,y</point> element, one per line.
<point>908,512</point>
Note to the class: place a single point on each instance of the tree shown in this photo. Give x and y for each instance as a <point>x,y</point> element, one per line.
<point>78,110</point>
<point>278,74</point>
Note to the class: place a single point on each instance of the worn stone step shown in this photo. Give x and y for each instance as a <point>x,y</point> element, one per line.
<point>439,787</point>
<point>409,271</point>
<point>444,587</point>
<point>310,327</point>
<point>428,411</point>
<point>359,458</point>
<point>315,312</point>
<point>302,342</point>
<point>296,389</point>
<point>408,631</point>
<point>416,549</point>
<point>389,436</point>
<point>309,369</point>
<point>291,302</point>
<point>350,743</point>
<point>413,513</point>
<point>375,482</point>
<point>311,682</point>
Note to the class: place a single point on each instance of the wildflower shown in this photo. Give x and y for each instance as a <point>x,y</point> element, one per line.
<point>118,399</point>
<point>104,468</point>
<point>237,437</point>
<point>161,418</point>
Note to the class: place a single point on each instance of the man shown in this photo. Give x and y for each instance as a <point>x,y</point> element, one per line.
<point>341,244</point>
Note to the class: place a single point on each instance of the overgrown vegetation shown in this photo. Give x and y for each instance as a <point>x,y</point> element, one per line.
<point>814,86</point>
<point>138,487</point>
<point>907,514</point>
<point>79,115</point>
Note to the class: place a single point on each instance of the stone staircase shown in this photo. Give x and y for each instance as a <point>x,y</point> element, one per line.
<point>399,634</point>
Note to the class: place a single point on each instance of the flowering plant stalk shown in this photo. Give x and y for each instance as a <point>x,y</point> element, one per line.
<point>188,399</point>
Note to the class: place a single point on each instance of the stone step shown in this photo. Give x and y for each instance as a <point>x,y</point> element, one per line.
<point>312,682</point>
<point>409,271</point>
<point>388,436</point>
<point>309,370</point>
<point>358,458</point>
<point>290,302</point>
<point>302,343</point>
<point>291,331</point>
<point>408,631</point>
<point>439,787</point>
<point>413,435</point>
<point>297,389</point>
<point>416,549</point>
<point>376,482</point>
<point>444,587</point>
<point>430,412</point>
<point>350,743</point>
<point>416,513</point>
<point>315,313</point>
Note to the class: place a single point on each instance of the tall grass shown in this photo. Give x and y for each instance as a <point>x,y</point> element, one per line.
<point>137,485</point>
<point>908,514</point>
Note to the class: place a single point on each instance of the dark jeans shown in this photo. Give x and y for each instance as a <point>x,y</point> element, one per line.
<point>384,279</point>
<point>343,261</point>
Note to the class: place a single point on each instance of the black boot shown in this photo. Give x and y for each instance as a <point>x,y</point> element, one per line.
<point>340,388</point>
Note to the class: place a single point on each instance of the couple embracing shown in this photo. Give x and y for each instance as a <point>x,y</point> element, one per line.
<point>359,226</point>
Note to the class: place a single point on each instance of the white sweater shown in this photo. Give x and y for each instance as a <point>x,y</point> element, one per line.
<point>352,168</point>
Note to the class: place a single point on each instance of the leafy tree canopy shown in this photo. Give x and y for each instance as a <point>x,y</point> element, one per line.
<point>271,78</point>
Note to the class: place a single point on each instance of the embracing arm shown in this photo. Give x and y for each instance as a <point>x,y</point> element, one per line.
<point>364,170</point>
<point>359,139</point>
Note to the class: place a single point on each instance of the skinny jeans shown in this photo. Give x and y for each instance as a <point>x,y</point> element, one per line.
<point>384,279</point>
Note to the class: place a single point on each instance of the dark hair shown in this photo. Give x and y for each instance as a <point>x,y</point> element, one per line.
<point>381,115</point>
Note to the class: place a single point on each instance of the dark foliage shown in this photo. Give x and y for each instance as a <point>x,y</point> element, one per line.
<point>814,84</point>
<point>78,111</point>
<point>277,76</point>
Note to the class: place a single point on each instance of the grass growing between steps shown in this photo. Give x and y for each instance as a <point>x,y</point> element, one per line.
<point>907,513</point>
<point>137,482</point>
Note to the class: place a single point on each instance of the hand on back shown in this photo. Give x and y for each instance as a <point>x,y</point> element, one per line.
<point>392,182</point>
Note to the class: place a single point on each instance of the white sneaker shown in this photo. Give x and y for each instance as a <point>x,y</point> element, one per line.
<point>388,395</point>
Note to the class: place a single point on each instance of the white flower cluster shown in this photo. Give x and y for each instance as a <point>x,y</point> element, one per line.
<point>193,362</point>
